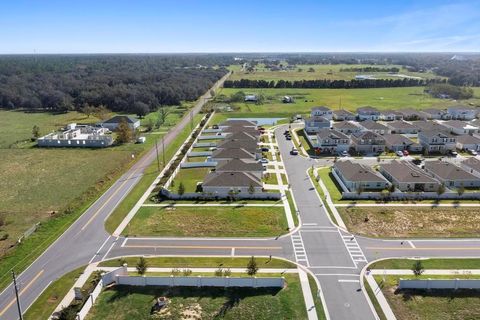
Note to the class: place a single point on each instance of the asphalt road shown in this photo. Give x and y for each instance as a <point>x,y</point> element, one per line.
<point>86,240</point>
<point>333,255</point>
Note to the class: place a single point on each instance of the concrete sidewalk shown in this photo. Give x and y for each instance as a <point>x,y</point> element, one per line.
<point>382,301</point>
<point>433,205</point>
<point>409,272</point>
<point>213,205</point>
<point>233,270</point>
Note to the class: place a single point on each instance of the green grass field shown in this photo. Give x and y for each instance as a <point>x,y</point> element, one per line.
<point>127,302</point>
<point>430,305</point>
<point>401,222</point>
<point>349,99</point>
<point>434,263</point>
<point>208,222</point>
<point>321,71</point>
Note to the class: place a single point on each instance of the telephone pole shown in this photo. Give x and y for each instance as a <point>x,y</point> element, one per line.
<point>158,161</point>
<point>191,120</point>
<point>163,151</point>
<point>16,295</point>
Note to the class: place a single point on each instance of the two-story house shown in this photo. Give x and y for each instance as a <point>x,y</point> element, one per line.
<point>437,141</point>
<point>368,113</point>
<point>368,142</point>
<point>332,141</point>
<point>322,111</point>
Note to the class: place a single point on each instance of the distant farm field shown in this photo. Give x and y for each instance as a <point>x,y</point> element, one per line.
<point>349,99</point>
<point>322,71</point>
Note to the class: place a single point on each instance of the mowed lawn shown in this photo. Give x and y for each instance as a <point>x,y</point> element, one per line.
<point>132,303</point>
<point>430,305</point>
<point>37,182</point>
<point>226,221</point>
<point>406,221</point>
<point>321,71</point>
<point>189,177</point>
<point>348,99</point>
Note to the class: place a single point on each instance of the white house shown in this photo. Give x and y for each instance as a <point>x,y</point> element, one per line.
<point>238,182</point>
<point>315,124</point>
<point>332,142</point>
<point>368,113</point>
<point>460,127</point>
<point>472,165</point>
<point>406,177</point>
<point>462,113</point>
<point>451,175</point>
<point>82,136</point>
<point>437,141</point>
<point>468,142</point>
<point>322,111</point>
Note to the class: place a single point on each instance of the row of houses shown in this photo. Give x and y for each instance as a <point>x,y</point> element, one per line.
<point>406,177</point>
<point>236,156</point>
<point>370,113</point>
<point>373,137</point>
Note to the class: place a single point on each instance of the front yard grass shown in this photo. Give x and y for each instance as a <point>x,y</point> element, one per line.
<point>270,178</point>
<point>208,222</point>
<point>401,222</point>
<point>430,305</point>
<point>130,302</point>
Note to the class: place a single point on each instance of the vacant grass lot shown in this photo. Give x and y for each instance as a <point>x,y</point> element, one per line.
<point>321,71</point>
<point>333,188</point>
<point>41,183</point>
<point>351,99</point>
<point>430,305</point>
<point>208,222</point>
<point>412,221</point>
<point>128,302</point>
<point>428,264</point>
<point>189,177</point>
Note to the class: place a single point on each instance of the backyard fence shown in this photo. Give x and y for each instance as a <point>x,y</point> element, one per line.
<point>220,195</point>
<point>431,284</point>
<point>90,301</point>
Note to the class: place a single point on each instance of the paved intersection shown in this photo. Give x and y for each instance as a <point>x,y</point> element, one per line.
<point>332,254</point>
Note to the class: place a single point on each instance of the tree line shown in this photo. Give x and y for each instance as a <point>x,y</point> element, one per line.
<point>121,83</point>
<point>370,69</point>
<point>330,84</point>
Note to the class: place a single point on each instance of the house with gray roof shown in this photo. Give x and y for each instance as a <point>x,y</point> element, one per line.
<point>241,135</point>
<point>332,141</point>
<point>368,113</point>
<point>249,145</point>
<point>436,114</point>
<point>113,123</point>
<point>225,182</point>
<point>347,127</point>
<point>368,142</point>
<point>451,175</point>
<point>356,177</point>
<point>406,177</point>
<point>374,126</point>
<point>412,114</point>
<point>390,115</point>
<point>462,112</point>
<point>238,153</point>
<point>234,129</point>
<point>315,123</point>
<point>423,125</point>
<point>343,115</point>
<point>437,142</point>
<point>468,142</point>
<point>460,127</point>
<point>241,165</point>
<point>471,165</point>
<point>402,127</point>
<point>398,142</point>
<point>322,111</point>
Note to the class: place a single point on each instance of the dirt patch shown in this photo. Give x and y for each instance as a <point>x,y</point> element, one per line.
<point>412,221</point>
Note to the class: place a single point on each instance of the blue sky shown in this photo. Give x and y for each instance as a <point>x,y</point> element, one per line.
<point>118,26</point>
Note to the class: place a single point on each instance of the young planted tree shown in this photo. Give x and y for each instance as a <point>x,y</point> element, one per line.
<point>252,267</point>
<point>181,189</point>
<point>35,132</point>
<point>461,190</point>
<point>163,113</point>
<point>417,268</point>
<point>124,133</point>
<point>441,189</point>
<point>142,266</point>
<point>251,189</point>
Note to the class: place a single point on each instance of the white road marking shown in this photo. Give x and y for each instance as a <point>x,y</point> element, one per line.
<point>349,280</point>
<point>233,252</point>
<point>108,251</point>
<point>124,241</point>
<point>96,253</point>
<point>411,244</point>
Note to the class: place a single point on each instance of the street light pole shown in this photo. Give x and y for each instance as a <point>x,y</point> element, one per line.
<point>163,151</point>
<point>16,295</point>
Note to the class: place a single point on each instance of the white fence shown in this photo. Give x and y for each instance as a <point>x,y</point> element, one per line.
<point>120,276</point>
<point>398,195</point>
<point>428,284</point>
<point>90,301</point>
<point>200,281</point>
<point>220,195</point>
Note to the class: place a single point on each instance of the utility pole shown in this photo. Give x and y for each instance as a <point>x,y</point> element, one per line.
<point>158,161</point>
<point>191,120</point>
<point>16,295</point>
<point>163,152</point>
